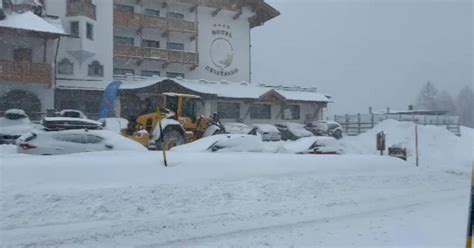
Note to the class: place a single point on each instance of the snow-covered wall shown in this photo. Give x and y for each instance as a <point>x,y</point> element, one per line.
<point>223,46</point>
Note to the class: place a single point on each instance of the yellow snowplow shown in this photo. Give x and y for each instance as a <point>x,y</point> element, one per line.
<point>180,123</point>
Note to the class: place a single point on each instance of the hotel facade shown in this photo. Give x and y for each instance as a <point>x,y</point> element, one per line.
<point>154,46</point>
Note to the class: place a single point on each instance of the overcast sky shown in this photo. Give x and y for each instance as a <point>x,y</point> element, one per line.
<point>366,53</point>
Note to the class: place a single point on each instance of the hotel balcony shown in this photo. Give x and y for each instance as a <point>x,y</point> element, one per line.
<point>81,8</point>
<point>126,19</point>
<point>25,72</point>
<point>167,56</point>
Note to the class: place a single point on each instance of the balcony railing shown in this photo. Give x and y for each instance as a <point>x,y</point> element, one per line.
<point>169,56</point>
<point>25,72</point>
<point>127,19</point>
<point>81,8</point>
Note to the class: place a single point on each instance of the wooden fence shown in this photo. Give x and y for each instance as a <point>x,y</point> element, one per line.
<point>360,123</point>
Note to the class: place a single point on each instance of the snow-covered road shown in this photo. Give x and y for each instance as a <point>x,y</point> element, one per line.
<point>237,199</point>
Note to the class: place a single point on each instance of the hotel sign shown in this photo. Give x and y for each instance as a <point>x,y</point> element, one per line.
<point>221,51</point>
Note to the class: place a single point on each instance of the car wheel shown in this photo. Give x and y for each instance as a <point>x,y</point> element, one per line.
<point>337,134</point>
<point>171,138</point>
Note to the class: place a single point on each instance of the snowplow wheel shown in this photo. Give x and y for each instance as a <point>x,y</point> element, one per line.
<point>171,138</point>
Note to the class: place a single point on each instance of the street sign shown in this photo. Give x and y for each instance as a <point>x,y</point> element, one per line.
<point>381,142</point>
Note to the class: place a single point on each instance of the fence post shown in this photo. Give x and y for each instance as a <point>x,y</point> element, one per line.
<point>424,120</point>
<point>358,123</point>
<point>413,117</point>
<point>437,119</point>
<point>372,120</point>
<point>347,124</point>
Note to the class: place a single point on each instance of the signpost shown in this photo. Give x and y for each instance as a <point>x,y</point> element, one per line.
<point>381,142</point>
<point>163,146</point>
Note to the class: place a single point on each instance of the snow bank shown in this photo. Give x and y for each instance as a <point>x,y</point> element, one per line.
<point>437,146</point>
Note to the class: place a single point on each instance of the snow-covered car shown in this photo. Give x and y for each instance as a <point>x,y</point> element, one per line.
<point>15,123</point>
<point>324,145</point>
<point>114,124</point>
<point>325,128</point>
<point>293,131</point>
<point>67,123</point>
<point>72,113</point>
<point>237,128</point>
<point>74,141</point>
<point>267,131</point>
<point>237,143</point>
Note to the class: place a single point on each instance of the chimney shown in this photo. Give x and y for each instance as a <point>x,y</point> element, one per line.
<point>410,107</point>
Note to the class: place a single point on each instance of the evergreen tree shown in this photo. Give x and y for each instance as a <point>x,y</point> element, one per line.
<point>428,97</point>
<point>446,102</point>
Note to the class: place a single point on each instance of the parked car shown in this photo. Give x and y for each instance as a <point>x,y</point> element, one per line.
<point>72,113</point>
<point>293,131</point>
<point>325,145</point>
<point>74,141</point>
<point>237,128</point>
<point>67,123</point>
<point>267,131</point>
<point>15,123</point>
<point>237,143</point>
<point>325,128</point>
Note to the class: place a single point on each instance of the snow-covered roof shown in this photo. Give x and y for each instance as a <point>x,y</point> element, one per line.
<point>218,88</point>
<point>31,22</point>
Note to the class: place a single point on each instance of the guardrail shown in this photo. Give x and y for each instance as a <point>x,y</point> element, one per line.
<point>360,123</point>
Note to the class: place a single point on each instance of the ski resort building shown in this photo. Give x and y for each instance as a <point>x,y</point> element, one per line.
<point>200,47</point>
<point>28,45</point>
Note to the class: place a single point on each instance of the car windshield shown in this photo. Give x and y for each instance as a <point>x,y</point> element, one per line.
<point>236,123</point>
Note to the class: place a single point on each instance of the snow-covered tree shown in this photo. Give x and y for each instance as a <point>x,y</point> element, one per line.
<point>465,106</point>
<point>446,102</point>
<point>428,97</point>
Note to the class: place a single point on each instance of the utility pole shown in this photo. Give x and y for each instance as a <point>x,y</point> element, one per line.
<point>416,145</point>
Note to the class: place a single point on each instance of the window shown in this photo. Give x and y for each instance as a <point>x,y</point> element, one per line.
<point>175,46</point>
<point>90,31</point>
<point>23,54</point>
<point>74,138</point>
<point>291,112</point>
<point>92,139</point>
<point>145,73</point>
<point>228,110</point>
<point>260,111</point>
<point>175,15</point>
<point>74,26</point>
<point>123,8</point>
<point>151,43</point>
<point>119,40</point>
<point>65,67</point>
<point>121,71</point>
<point>174,75</point>
<point>96,69</point>
<point>151,12</point>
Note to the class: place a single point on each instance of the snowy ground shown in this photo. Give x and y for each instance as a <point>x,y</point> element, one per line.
<point>231,199</point>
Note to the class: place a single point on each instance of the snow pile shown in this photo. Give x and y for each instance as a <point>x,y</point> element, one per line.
<point>111,199</point>
<point>438,147</point>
